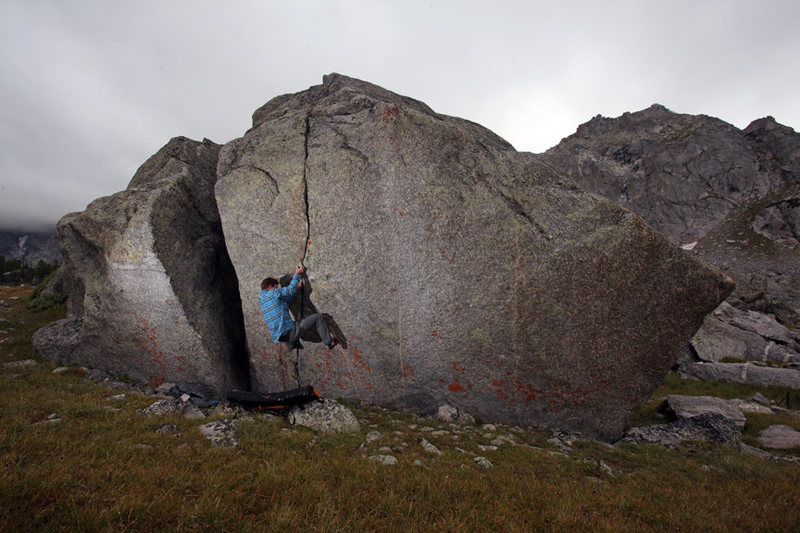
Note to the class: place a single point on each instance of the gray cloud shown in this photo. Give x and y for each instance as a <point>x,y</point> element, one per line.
<point>89,88</point>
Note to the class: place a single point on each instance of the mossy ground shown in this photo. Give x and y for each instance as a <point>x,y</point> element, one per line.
<point>100,469</point>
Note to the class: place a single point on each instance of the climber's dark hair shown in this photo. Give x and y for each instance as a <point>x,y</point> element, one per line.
<point>268,282</point>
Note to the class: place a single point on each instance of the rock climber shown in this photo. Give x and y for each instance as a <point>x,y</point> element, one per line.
<point>274,301</point>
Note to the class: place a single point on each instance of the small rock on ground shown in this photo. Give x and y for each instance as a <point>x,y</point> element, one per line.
<point>163,407</point>
<point>483,462</point>
<point>430,448</point>
<point>15,364</point>
<point>221,433</point>
<point>779,437</point>
<point>328,416</point>
<point>388,460</point>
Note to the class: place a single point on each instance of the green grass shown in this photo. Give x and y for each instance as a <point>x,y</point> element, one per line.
<point>100,470</point>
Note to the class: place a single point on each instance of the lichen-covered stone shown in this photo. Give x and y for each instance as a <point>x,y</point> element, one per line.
<point>328,416</point>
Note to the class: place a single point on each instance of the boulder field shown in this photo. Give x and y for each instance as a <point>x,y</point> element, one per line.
<point>462,272</point>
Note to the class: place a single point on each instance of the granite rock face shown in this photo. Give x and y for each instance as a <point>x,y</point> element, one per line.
<point>463,272</point>
<point>152,293</point>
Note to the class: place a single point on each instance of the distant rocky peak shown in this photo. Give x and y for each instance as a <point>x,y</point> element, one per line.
<point>762,125</point>
<point>656,123</point>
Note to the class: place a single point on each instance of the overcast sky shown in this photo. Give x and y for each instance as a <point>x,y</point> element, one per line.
<point>89,89</point>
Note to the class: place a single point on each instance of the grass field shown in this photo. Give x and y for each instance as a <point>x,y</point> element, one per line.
<point>104,467</point>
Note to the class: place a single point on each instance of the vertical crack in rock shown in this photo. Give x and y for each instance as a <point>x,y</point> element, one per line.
<point>306,135</point>
<point>305,186</point>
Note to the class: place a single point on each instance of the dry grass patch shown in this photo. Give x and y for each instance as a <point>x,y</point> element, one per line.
<point>104,470</point>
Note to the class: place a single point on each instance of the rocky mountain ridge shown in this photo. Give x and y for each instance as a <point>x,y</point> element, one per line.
<point>730,196</point>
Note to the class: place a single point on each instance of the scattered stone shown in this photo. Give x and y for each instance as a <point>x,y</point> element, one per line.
<point>681,407</point>
<point>767,456</point>
<point>96,375</point>
<point>200,394</point>
<point>328,416</point>
<point>420,463</point>
<point>759,398</point>
<point>111,409</point>
<point>710,427</point>
<point>389,460</point>
<point>116,398</point>
<point>61,369</point>
<point>165,388</point>
<point>191,411</point>
<point>23,363</point>
<point>52,418</point>
<point>385,449</point>
<point>221,432</point>
<point>141,446</point>
<point>400,447</point>
<point>372,436</point>
<point>448,413</point>
<point>504,439</point>
<point>430,448</point>
<point>166,406</point>
<point>605,468</point>
<point>489,427</point>
<point>749,373</point>
<point>483,462</point>
<point>564,440</point>
<point>779,437</point>
<point>753,407</point>
<point>489,448</point>
<point>440,433</point>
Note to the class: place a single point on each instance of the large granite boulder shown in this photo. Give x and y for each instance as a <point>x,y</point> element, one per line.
<point>462,272</point>
<point>152,293</point>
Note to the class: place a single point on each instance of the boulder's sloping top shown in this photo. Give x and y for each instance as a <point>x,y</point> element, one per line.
<point>462,272</point>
